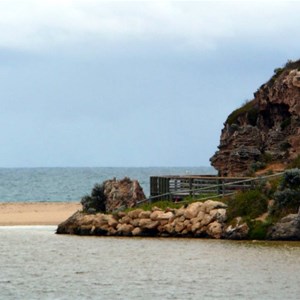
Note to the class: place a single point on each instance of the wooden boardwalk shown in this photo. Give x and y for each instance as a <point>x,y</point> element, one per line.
<point>177,187</point>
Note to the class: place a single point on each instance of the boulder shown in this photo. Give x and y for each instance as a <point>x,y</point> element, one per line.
<point>169,228</point>
<point>219,214</point>
<point>180,212</point>
<point>134,214</point>
<point>124,229</point>
<point>206,219</point>
<point>236,231</point>
<point>136,231</point>
<point>148,224</point>
<point>215,230</point>
<point>192,210</point>
<point>210,205</point>
<point>179,226</point>
<point>288,228</point>
<point>145,214</point>
<point>111,221</point>
<point>165,216</point>
<point>195,226</point>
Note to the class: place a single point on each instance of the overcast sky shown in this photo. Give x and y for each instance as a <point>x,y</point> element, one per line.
<point>132,83</point>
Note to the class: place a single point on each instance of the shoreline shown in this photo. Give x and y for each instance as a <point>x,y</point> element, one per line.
<point>36,213</point>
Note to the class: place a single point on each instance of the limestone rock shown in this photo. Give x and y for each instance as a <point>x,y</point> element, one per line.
<point>119,193</point>
<point>124,229</point>
<point>190,221</point>
<point>136,231</point>
<point>148,224</point>
<point>209,205</point>
<point>144,214</point>
<point>215,230</point>
<point>165,216</point>
<point>192,210</point>
<point>134,214</point>
<point>265,129</point>
<point>219,214</point>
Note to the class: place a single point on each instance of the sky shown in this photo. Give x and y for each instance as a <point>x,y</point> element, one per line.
<point>89,83</point>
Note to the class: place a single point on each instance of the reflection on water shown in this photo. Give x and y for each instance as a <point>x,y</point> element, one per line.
<point>37,264</point>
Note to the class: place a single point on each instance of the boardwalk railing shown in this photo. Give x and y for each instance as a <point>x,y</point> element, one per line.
<point>178,187</point>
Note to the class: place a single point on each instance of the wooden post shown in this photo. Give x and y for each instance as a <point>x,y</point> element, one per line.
<point>191,186</point>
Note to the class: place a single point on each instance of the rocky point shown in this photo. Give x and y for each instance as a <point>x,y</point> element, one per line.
<point>265,129</point>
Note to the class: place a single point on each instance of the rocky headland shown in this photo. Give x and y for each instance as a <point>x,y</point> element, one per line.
<point>261,136</point>
<point>264,130</point>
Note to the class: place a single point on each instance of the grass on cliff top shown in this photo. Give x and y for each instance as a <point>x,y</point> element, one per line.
<point>248,109</point>
<point>289,65</point>
<point>163,204</point>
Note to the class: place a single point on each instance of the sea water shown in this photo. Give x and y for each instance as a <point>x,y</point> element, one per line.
<point>70,184</point>
<point>38,264</point>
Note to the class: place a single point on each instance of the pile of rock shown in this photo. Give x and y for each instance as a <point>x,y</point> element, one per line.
<point>198,219</point>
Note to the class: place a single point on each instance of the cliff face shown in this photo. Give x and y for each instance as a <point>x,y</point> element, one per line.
<point>265,129</point>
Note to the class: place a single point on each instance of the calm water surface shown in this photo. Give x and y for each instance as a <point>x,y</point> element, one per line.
<point>70,184</point>
<point>37,264</point>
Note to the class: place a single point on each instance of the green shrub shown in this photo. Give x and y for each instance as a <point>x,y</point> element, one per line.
<point>258,230</point>
<point>288,194</point>
<point>291,179</point>
<point>287,197</point>
<point>164,204</point>
<point>249,204</point>
<point>96,201</point>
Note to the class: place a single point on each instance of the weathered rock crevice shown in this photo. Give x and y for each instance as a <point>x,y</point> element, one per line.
<point>265,129</point>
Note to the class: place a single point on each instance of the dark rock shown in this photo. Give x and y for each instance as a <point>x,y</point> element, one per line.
<point>288,228</point>
<point>237,231</point>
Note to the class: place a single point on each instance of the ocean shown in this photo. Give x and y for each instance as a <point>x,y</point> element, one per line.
<point>71,184</point>
<point>37,264</point>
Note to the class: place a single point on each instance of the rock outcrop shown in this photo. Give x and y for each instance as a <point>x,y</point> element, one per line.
<point>112,195</point>
<point>196,220</point>
<point>122,193</point>
<point>265,129</point>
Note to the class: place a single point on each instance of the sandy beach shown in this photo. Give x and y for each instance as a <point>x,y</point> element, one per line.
<point>36,213</point>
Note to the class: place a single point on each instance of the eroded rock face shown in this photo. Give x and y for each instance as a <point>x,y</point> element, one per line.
<point>265,129</point>
<point>123,192</point>
<point>112,195</point>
